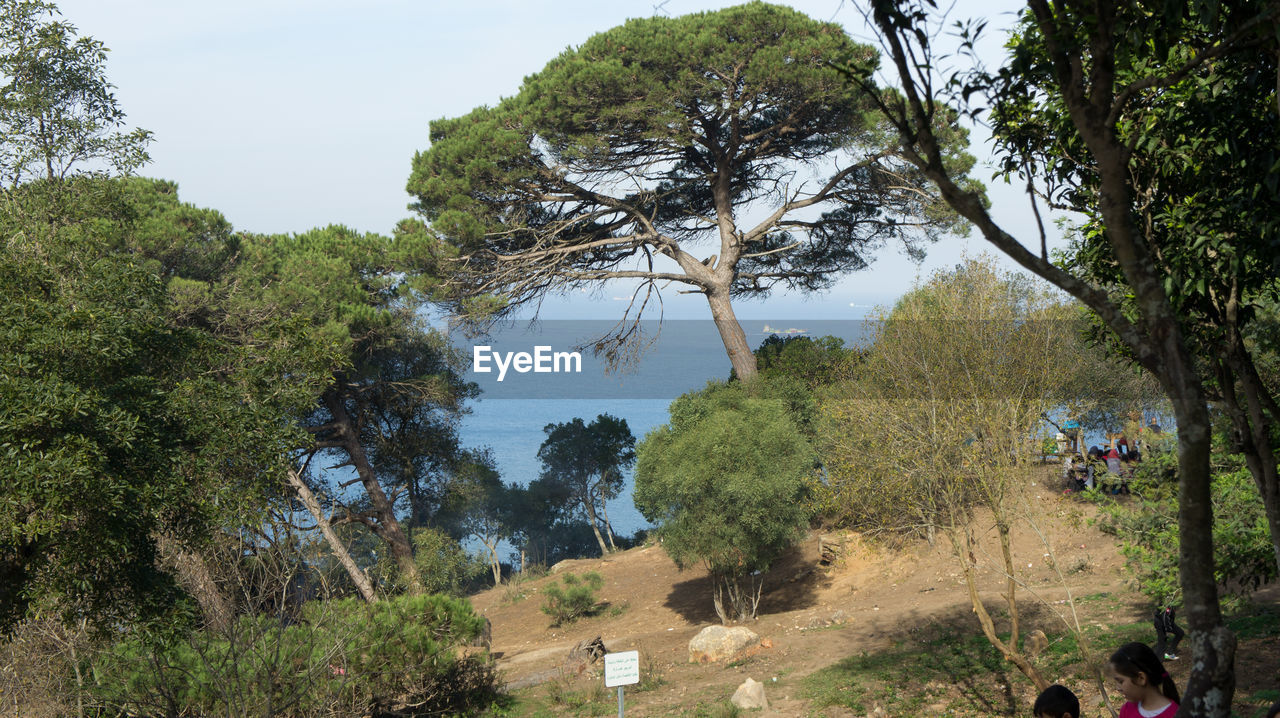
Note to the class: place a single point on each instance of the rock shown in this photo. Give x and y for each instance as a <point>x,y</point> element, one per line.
<point>750,695</point>
<point>718,643</point>
<point>1036,643</point>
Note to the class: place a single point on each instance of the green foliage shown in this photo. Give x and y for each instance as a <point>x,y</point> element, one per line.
<point>576,599</point>
<point>444,565</point>
<point>1204,157</point>
<point>56,106</point>
<point>651,139</point>
<point>344,655</point>
<point>1147,527</point>
<point>123,415</point>
<point>726,481</point>
<point>940,413</point>
<point>815,361</point>
<point>582,467</point>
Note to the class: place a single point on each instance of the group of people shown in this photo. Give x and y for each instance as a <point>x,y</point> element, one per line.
<point>1107,468</point>
<point>1140,675</point>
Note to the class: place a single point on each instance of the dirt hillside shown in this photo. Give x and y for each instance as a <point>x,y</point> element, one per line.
<point>812,615</point>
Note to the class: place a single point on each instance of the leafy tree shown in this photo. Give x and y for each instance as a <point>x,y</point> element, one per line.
<point>584,462</point>
<point>545,530</point>
<point>726,482</point>
<point>392,380</point>
<point>626,155</point>
<point>1106,66</point>
<point>481,506</point>
<point>1206,175</point>
<point>126,421</point>
<point>939,420</point>
<point>56,106</point>
<point>1147,526</point>
<point>816,361</point>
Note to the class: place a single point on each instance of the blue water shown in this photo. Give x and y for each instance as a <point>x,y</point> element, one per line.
<point>683,356</point>
<point>512,429</point>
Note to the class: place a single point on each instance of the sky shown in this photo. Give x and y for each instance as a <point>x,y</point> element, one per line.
<point>291,114</point>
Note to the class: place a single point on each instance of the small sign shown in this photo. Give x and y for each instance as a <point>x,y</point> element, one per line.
<point>621,669</point>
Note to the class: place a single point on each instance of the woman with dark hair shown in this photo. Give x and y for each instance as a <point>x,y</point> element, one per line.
<point>1148,690</point>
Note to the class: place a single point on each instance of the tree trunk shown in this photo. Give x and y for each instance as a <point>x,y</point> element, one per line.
<point>495,566</point>
<point>387,527</point>
<point>735,340</point>
<point>1008,650</point>
<point>717,599</point>
<point>194,576</point>
<point>1212,682</point>
<point>1011,598</point>
<point>608,527</point>
<point>595,525</point>
<point>335,544</point>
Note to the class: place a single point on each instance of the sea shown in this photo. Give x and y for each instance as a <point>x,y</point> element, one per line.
<point>662,361</point>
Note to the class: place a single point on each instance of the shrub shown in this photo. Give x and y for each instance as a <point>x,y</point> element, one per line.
<point>1147,527</point>
<point>443,565</point>
<point>728,481</point>
<point>576,599</point>
<point>344,657</point>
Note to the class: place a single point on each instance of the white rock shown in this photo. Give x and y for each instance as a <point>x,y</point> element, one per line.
<point>718,643</point>
<point>750,695</point>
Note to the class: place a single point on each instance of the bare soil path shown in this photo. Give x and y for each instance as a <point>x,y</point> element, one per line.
<point>811,616</point>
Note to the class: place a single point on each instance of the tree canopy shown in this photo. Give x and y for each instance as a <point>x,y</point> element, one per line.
<point>727,482</point>
<point>56,106</point>
<point>125,420</point>
<point>1206,181</point>
<point>721,151</point>
<point>585,462</point>
<point>1105,66</point>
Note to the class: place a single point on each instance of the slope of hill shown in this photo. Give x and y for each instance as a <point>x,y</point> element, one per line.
<point>811,616</point>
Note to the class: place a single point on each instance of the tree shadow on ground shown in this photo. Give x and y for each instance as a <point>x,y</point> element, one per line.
<point>948,660</point>
<point>954,641</point>
<point>791,584</point>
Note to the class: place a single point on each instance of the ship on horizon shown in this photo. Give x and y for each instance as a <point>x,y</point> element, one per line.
<point>790,330</point>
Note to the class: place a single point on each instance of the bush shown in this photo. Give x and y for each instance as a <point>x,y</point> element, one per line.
<point>343,657</point>
<point>728,482</point>
<point>576,600</point>
<point>1147,527</point>
<point>443,565</point>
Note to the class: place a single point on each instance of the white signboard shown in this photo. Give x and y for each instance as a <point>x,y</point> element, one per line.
<point>621,669</point>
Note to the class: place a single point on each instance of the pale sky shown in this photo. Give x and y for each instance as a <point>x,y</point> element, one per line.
<point>291,114</point>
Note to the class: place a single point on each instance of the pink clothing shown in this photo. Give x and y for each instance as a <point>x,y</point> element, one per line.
<point>1130,710</point>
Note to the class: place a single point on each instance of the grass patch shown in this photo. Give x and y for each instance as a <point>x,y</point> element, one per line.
<point>951,664</point>
<point>716,710</point>
<point>911,676</point>
<point>1255,622</point>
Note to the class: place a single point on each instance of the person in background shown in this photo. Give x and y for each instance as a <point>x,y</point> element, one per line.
<point>1092,463</point>
<point>1056,702</point>
<point>1166,625</point>
<point>1148,690</point>
<point>1113,461</point>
